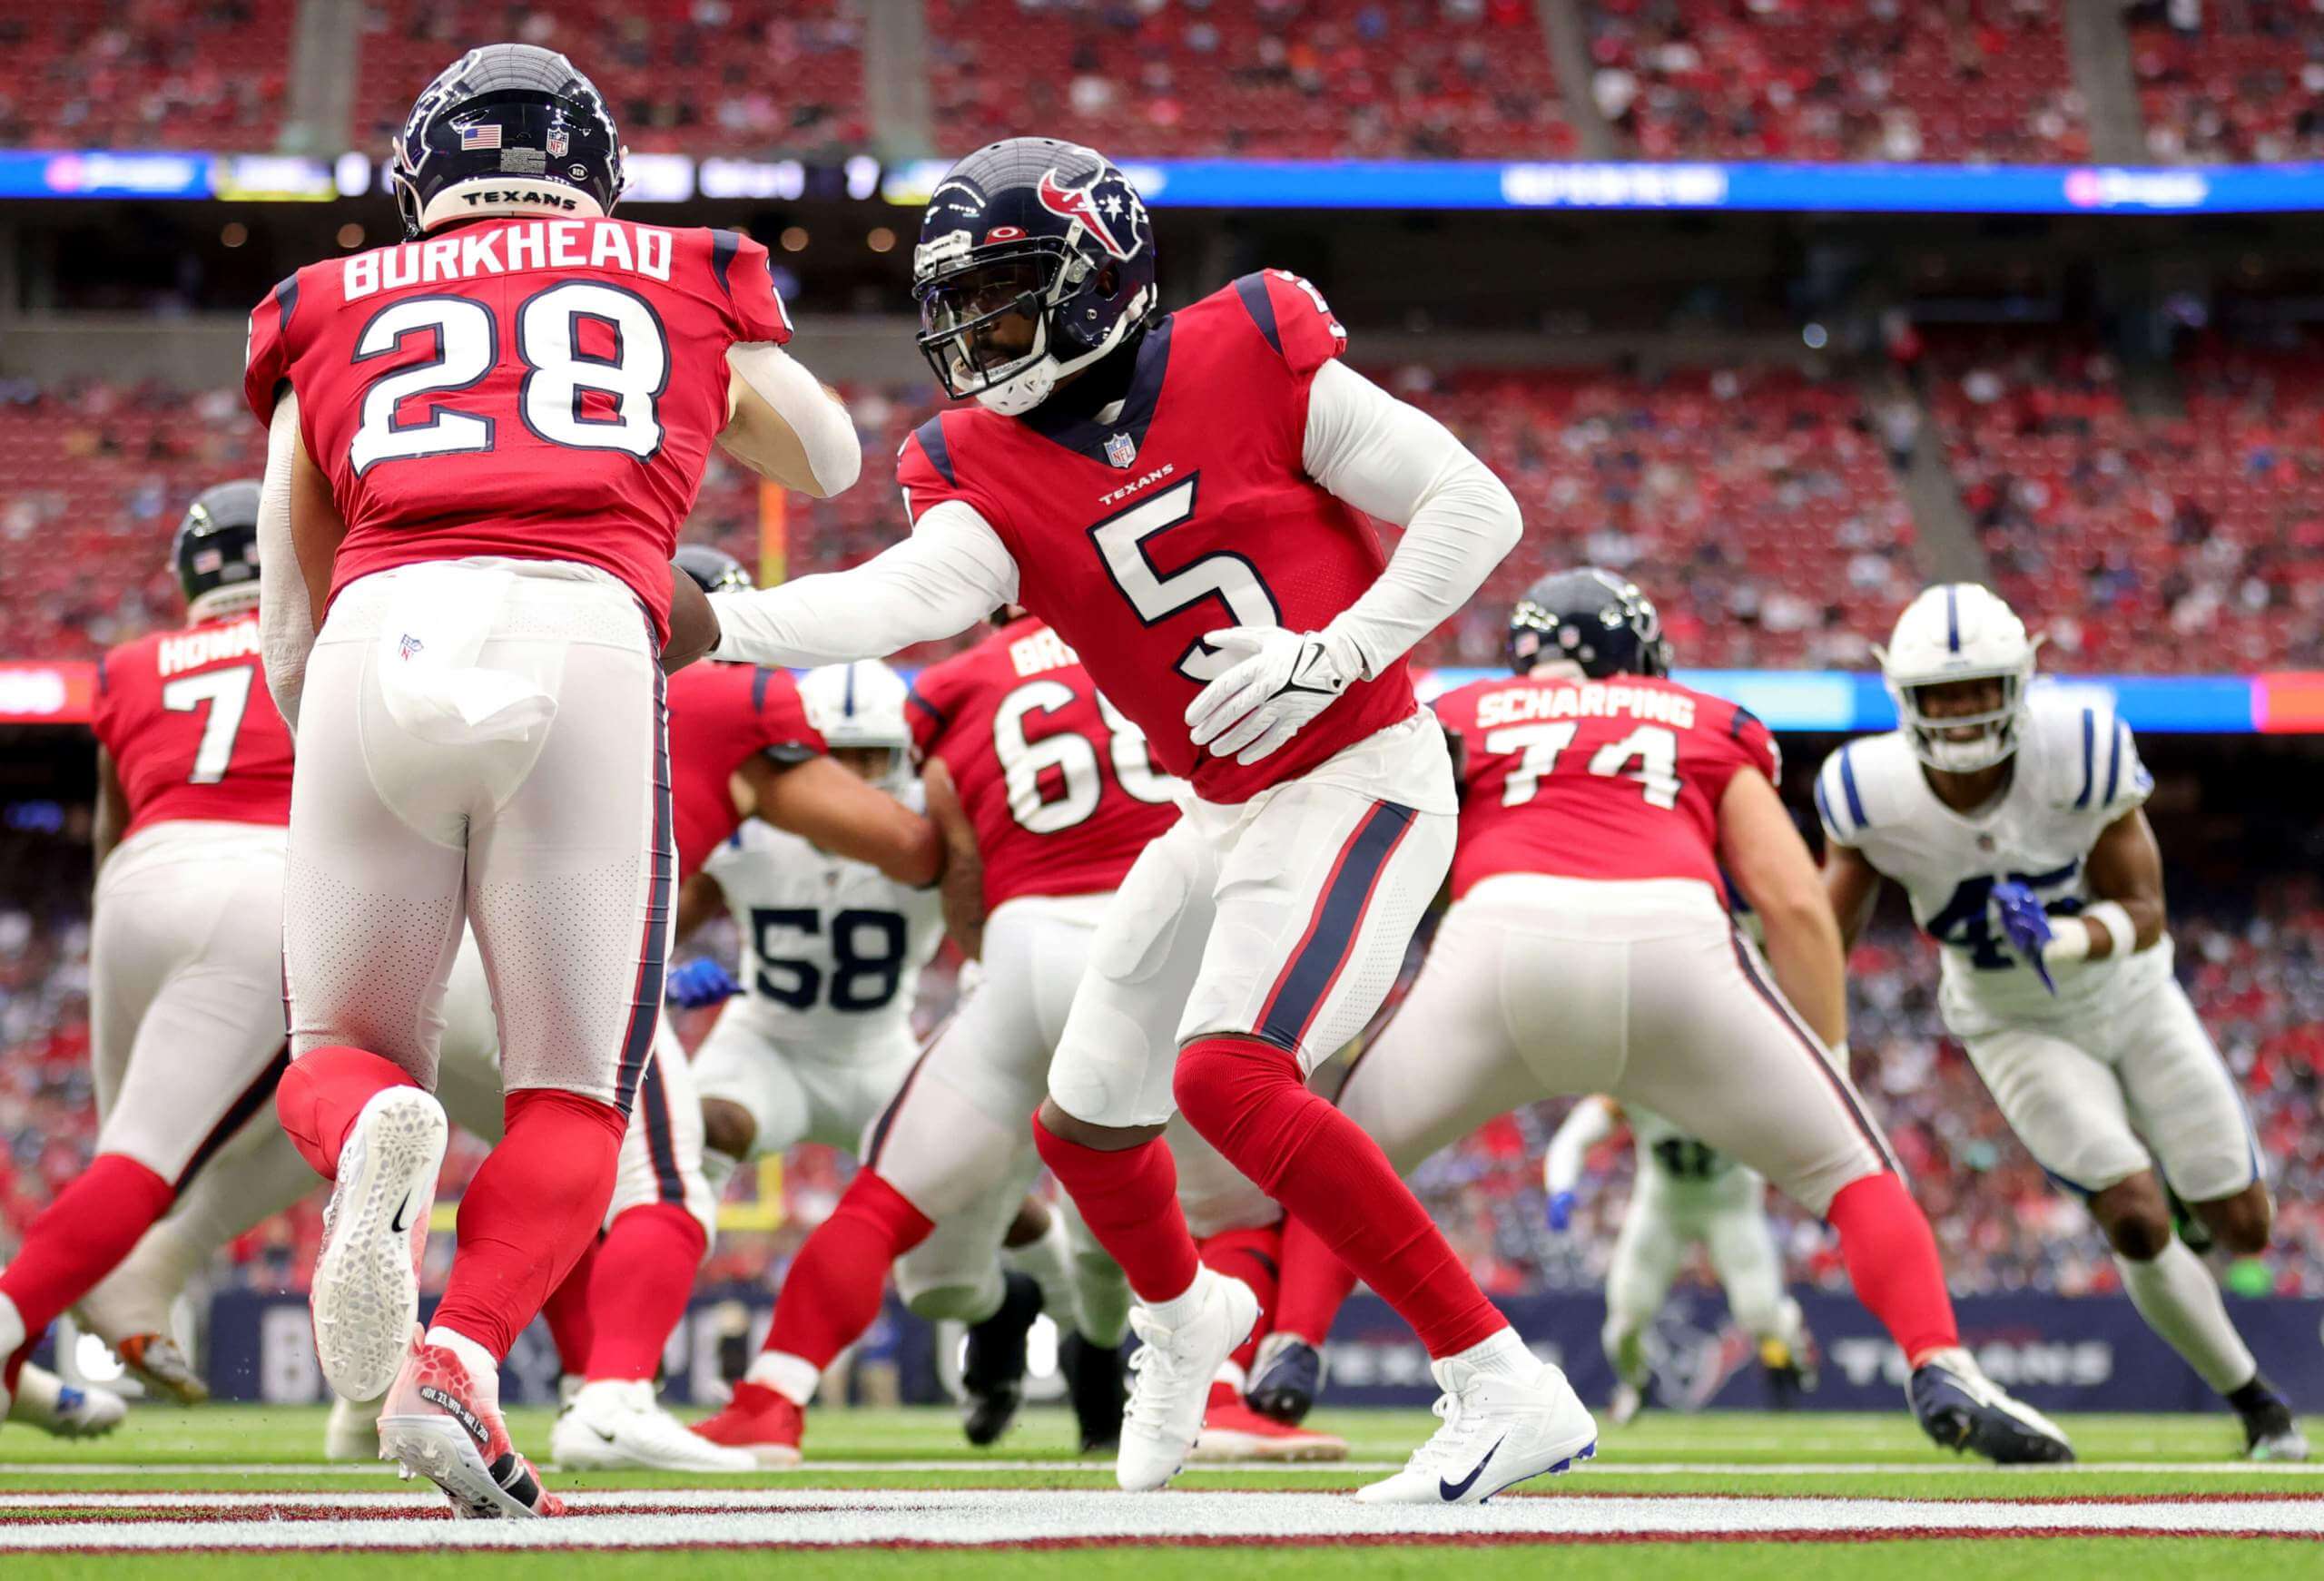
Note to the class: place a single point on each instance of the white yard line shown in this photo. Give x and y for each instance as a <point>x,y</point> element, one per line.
<point>849,1518</point>
<point>379,1471</point>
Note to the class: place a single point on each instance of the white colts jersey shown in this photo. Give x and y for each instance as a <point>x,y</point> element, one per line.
<point>832,950</point>
<point>2076,771</point>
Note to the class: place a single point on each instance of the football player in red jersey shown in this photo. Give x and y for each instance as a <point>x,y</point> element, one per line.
<point>483,442</point>
<point>1588,948</point>
<point>193,770</point>
<point>1184,498</point>
<point>1053,794</point>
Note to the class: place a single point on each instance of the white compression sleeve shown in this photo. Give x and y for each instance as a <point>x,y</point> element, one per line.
<point>951,573</point>
<point>286,621</point>
<point>824,433</point>
<point>1392,460</point>
<point>1590,1124</point>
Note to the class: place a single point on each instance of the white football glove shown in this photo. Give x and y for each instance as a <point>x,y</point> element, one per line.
<point>1281,679</point>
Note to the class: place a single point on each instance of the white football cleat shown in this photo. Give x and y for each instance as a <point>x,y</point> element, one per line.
<point>353,1431</point>
<point>614,1423</point>
<point>1500,1428</point>
<point>61,1410</point>
<point>1628,1402</point>
<point>1173,1369</point>
<point>366,1289</point>
<point>162,1364</point>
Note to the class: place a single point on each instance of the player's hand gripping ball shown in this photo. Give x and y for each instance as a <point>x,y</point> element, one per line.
<point>2026,925</point>
<point>1279,681</point>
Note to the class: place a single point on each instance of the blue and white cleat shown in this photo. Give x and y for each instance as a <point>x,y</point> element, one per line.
<point>46,1401</point>
<point>1286,1376</point>
<point>1962,1409</point>
<point>1502,1426</point>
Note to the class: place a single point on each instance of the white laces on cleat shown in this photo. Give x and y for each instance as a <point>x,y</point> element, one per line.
<point>1159,1371</point>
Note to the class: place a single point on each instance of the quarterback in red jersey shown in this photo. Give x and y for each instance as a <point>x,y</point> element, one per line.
<point>1588,948</point>
<point>1184,498</point>
<point>193,771</point>
<point>482,443</point>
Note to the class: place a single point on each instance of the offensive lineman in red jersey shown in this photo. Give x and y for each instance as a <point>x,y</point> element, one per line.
<point>193,771</point>
<point>1588,948</point>
<point>1059,795</point>
<point>483,442</point>
<point>1183,498</point>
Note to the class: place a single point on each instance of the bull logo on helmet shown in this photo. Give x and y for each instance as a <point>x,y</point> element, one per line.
<point>1083,203</point>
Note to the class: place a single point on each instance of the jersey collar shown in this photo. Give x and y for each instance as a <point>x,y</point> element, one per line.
<point>1082,433</point>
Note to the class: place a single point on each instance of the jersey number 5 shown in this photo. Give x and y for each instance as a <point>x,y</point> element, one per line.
<point>1122,543</point>
<point>1652,747</point>
<point>559,376</point>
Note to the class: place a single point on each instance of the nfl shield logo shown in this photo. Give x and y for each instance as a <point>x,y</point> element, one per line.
<point>1121,449</point>
<point>559,141</point>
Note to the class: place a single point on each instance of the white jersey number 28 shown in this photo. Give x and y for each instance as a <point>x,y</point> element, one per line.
<point>558,374</point>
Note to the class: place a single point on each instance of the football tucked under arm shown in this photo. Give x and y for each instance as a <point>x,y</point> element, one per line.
<point>1392,460</point>
<point>286,620</point>
<point>951,573</point>
<point>783,424</point>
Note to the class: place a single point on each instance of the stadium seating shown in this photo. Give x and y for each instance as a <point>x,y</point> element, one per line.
<point>1987,80</point>
<point>1287,79</point>
<point>2143,543</point>
<point>145,74</point>
<point>2245,82</point>
<point>692,76</point>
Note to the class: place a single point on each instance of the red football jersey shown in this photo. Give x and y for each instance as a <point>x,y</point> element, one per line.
<point>191,728</point>
<point>1188,512</point>
<point>722,716</point>
<point>1616,779</point>
<point>541,389</point>
<point>1059,785</point>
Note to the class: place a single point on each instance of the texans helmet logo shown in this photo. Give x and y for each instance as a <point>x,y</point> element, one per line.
<point>1082,203</point>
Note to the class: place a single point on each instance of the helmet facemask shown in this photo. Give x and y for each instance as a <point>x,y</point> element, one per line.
<point>985,324</point>
<point>1963,744</point>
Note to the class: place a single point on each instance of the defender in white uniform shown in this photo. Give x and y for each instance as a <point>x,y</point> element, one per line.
<point>2012,820</point>
<point>1685,1193</point>
<point>832,949</point>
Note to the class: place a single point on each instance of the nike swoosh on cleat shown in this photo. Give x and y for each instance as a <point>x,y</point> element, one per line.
<point>1453,1491</point>
<point>394,1222</point>
<point>601,1432</point>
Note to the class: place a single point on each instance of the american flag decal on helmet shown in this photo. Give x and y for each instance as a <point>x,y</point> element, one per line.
<point>1082,203</point>
<point>476,137</point>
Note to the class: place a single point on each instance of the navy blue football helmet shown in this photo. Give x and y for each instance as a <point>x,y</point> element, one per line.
<point>1594,619</point>
<point>216,543</point>
<point>1036,257</point>
<point>506,129</point>
<point>713,570</point>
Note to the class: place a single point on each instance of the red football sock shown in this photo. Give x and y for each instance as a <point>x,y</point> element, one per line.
<point>1247,1098</point>
<point>1129,1200</point>
<point>321,1094</point>
<point>566,1312</point>
<point>645,1269</point>
<point>1255,1257</point>
<point>1891,1256</point>
<point>1315,1284</point>
<point>79,1238</point>
<point>833,1291</point>
<point>530,1213</point>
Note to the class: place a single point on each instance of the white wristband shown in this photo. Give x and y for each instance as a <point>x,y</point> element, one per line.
<point>2073,944</point>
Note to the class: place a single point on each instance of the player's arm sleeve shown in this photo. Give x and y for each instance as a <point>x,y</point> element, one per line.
<point>286,620</point>
<point>783,424</point>
<point>1392,460</point>
<point>1569,1151</point>
<point>951,573</point>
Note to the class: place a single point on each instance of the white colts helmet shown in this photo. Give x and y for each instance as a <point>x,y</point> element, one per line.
<point>1959,631</point>
<point>861,704</point>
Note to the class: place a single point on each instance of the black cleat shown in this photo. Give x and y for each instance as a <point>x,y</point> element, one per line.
<point>1095,1380</point>
<point>2271,1432</point>
<point>1961,1409</point>
<point>1286,1376</point>
<point>992,1372</point>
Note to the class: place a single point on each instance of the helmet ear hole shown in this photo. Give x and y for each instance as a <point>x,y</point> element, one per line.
<point>1109,280</point>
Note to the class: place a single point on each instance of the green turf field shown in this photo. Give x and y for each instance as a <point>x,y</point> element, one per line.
<point>897,1493</point>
